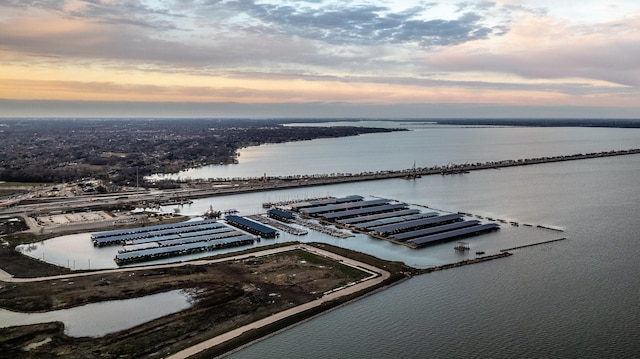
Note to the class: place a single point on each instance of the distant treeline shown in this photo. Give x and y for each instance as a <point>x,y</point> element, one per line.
<point>123,151</point>
<point>550,122</point>
<point>524,122</point>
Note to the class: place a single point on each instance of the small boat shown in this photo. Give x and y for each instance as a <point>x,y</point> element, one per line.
<point>211,213</point>
<point>480,253</point>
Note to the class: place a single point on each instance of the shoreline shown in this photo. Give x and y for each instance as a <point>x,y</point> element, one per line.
<point>374,277</point>
<point>203,348</point>
<point>204,189</point>
<point>326,311</point>
<point>226,343</point>
<point>247,185</point>
<point>218,350</point>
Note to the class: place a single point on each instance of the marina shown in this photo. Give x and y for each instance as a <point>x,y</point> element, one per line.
<point>535,314</point>
<point>169,240</point>
<point>119,236</point>
<point>279,225</point>
<point>395,222</point>
<point>252,227</point>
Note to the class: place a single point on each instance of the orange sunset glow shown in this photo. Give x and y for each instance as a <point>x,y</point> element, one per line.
<point>409,57</point>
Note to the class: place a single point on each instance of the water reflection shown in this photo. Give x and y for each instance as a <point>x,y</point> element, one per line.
<point>98,319</point>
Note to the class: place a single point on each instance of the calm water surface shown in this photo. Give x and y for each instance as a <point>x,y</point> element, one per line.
<point>98,319</point>
<point>572,299</point>
<point>426,145</point>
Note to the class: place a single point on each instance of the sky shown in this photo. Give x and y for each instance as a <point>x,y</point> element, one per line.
<point>320,58</point>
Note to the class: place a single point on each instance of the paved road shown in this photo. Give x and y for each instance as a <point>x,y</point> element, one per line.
<point>6,277</point>
<point>378,276</point>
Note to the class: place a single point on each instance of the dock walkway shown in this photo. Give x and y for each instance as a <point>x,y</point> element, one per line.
<point>279,225</point>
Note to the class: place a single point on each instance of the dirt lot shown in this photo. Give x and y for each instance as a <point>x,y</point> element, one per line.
<point>227,295</point>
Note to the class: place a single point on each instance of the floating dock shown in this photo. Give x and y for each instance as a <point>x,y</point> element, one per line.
<point>163,241</point>
<point>162,252</point>
<point>252,227</point>
<point>395,221</point>
<point>119,236</point>
<point>279,225</point>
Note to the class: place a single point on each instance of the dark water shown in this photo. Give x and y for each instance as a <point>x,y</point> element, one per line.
<point>430,145</point>
<point>98,319</point>
<point>578,298</point>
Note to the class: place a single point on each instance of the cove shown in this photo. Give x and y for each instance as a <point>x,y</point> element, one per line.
<point>99,319</point>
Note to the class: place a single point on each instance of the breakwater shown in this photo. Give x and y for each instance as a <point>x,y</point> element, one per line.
<point>532,244</point>
<point>467,262</point>
<point>239,185</point>
<point>225,186</point>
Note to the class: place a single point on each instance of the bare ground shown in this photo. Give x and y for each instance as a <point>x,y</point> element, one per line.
<point>227,295</point>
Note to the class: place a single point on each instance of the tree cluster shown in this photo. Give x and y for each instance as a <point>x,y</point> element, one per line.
<point>123,151</point>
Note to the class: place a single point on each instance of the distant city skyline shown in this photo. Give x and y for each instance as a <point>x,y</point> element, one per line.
<point>320,58</point>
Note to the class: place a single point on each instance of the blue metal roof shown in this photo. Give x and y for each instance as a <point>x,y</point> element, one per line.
<point>320,202</point>
<point>150,228</point>
<point>167,237</point>
<point>454,234</point>
<point>398,227</point>
<point>137,247</point>
<point>251,224</point>
<point>352,198</point>
<point>197,228</point>
<point>281,213</point>
<point>173,242</point>
<point>373,217</point>
<point>343,206</point>
<point>398,219</point>
<point>433,230</point>
<point>366,210</point>
<point>181,247</point>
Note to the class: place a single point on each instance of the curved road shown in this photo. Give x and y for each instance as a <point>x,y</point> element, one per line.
<point>376,277</point>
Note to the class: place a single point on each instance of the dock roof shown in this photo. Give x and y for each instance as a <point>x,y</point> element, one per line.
<point>281,213</point>
<point>173,235</point>
<point>251,225</point>
<point>373,217</point>
<point>319,202</point>
<point>365,210</point>
<point>433,230</point>
<point>398,227</point>
<point>151,228</point>
<point>397,219</point>
<point>343,206</point>
<point>454,234</point>
<point>126,256</point>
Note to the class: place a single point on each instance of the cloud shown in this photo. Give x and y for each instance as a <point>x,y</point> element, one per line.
<point>544,48</point>
<point>196,30</point>
<point>365,24</point>
<point>316,50</point>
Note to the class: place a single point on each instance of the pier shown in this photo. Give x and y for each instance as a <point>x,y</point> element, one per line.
<point>251,184</point>
<point>466,262</point>
<point>279,225</point>
<point>323,229</point>
<point>533,244</point>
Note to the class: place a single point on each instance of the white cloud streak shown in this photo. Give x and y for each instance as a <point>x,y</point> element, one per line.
<point>501,45</point>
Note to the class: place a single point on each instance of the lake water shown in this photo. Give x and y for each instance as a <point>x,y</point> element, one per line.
<point>572,299</point>
<point>576,298</point>
<point>98,319</point>
<point>427,145</point>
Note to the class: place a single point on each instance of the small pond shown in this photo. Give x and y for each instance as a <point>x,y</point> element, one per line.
<point>98,319</point>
